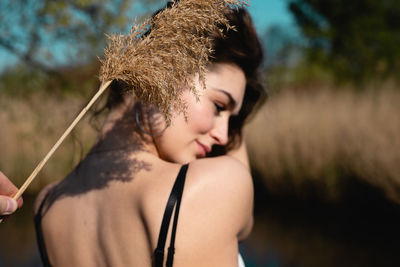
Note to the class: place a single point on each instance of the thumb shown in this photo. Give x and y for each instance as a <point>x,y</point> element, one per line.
<point>7,205</point>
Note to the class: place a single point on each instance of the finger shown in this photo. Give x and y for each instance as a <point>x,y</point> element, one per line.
<point>7,205</point>
<point>7,188</point>
<point>20,201</point>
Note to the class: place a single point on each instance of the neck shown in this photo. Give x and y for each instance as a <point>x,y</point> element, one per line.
<point>120,132</point>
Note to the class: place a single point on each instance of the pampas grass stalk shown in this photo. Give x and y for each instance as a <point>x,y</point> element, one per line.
<point>31,177</point>
<point>35,172</point>
<point>159,64</point>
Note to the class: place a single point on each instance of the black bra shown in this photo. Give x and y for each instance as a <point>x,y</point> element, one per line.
<point>174,200</point>
<point>39,234</point>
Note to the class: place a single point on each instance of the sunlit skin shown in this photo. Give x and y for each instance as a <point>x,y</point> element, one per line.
<point>117,224</point>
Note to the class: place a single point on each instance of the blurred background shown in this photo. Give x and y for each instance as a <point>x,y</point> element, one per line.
<point>324,149</point>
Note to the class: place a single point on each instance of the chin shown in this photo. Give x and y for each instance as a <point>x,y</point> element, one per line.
<point>180,159</point>
<point>187,158</point>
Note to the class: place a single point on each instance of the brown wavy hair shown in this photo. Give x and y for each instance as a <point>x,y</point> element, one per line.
<point>242,47</point>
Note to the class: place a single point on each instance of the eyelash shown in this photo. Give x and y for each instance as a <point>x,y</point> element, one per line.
<point>219,108</point>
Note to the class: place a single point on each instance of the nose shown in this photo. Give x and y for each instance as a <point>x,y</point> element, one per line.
<point>220,131</point>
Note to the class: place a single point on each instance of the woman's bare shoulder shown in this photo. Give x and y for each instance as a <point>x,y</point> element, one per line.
<point>216,209</point>
<point>42,195</point>
<point>222,188</point>
<point>224,169</point>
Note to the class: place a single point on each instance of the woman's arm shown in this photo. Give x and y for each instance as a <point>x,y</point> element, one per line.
<point>216,212</point>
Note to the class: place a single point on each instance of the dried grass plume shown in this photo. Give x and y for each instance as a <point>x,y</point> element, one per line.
<point>158,65</point>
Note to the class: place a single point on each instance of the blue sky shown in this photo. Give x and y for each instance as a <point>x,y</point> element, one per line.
<point>269,12</point>
<point>265,13</point>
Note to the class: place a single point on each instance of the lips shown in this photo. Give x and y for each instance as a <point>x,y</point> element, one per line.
<point>204,149</point>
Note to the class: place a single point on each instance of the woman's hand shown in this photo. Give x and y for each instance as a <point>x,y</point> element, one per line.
<point>7,189</point>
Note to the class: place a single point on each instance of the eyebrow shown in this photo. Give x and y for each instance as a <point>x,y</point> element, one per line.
<point>232,101</point>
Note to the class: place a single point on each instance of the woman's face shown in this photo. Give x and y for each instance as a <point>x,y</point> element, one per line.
<point>207,119</point>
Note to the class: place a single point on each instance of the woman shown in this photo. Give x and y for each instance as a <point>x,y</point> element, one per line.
<point>111,210</point>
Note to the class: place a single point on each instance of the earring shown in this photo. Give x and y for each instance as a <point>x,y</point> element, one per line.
<point>137,106</point>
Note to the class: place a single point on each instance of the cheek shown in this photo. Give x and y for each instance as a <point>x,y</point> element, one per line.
<point>200,115</point>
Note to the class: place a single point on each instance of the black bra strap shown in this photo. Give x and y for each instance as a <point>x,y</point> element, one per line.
<point>39,234</point>
<point>174,197</point>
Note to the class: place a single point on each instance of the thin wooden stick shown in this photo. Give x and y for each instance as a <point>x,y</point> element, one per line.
<point>30,179</point>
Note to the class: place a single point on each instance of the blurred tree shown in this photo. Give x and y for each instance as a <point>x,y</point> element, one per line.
<point>283,46</point>
<point>358,40</point>
<point>44,33</point>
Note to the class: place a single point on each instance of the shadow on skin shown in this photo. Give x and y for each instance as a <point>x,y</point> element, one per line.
<point>112,159</point>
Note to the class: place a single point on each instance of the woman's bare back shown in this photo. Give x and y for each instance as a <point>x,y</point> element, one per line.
<point>108,212</point>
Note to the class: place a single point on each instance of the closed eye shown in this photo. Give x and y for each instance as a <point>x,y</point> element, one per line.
<point>219,108</point>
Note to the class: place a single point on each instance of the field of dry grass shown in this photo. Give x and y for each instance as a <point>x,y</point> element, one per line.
<point>298,139</point>
<point>321,138</point>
